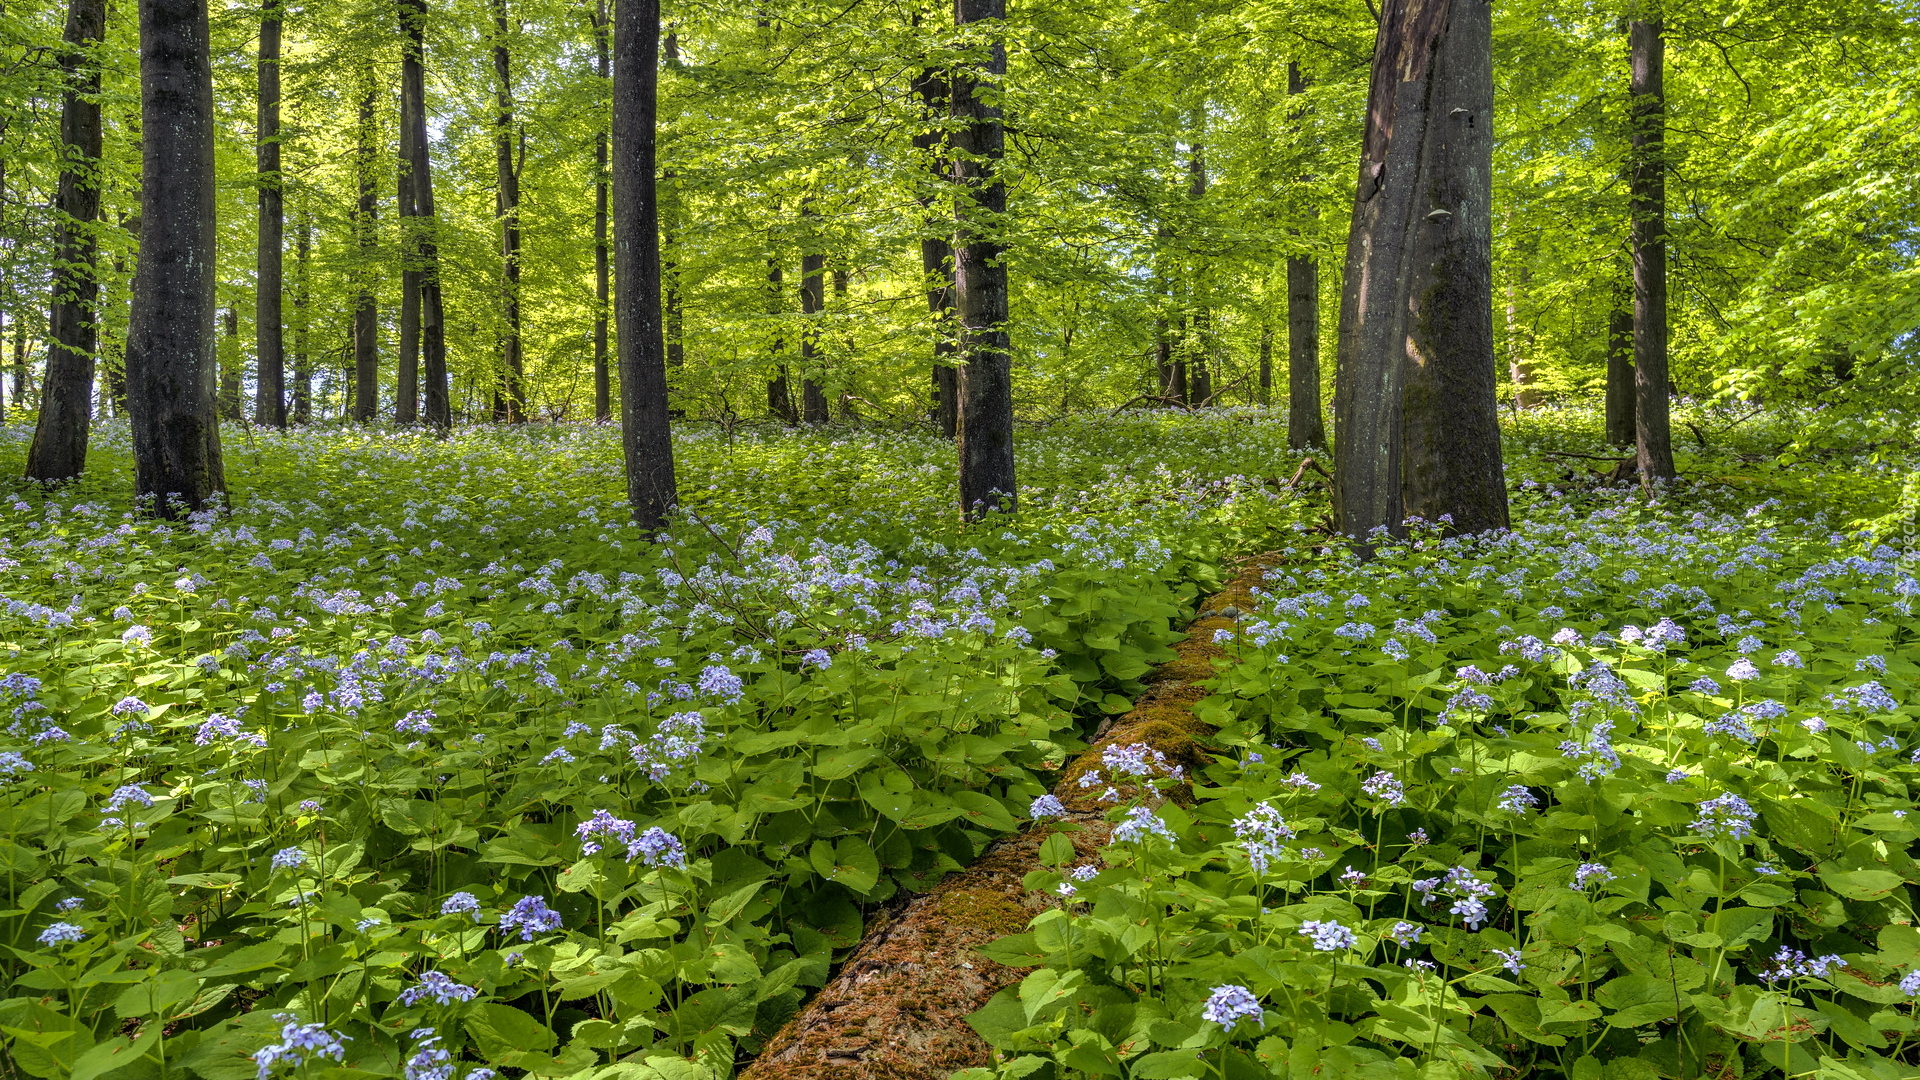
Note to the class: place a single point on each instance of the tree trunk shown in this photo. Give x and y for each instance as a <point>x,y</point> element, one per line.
<point>269,398</point>
<point>1520,346</point>
<point>19,364</point>
<point>59,450</point>
<point>1648,183</point>
<point>302,295</point>
<point>779,388</point>
<point>1306,426</point>
<point>170,346</point>
<point>646,439</point>
<point>675,321</point>
<point>1620,389</point>
<point>980,278</point>
<point>1415,411</point>
<point>229,355</point>
<point>936,254</point>
<point>512,405</point>
<point>1200,323</point>
<point>366,312</point>
<point>1266,365</point>
<point>813,298</point>
<point>602,380</point>
<point>418,224</point>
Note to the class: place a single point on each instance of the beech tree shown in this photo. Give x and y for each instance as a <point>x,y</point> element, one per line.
<point>1653,440</point>
<point>645,436</point>
<point>1417,432</point>
<point>59,450</point>
<point>171,366</point>
<point>269,402</point>
<point>979,275</point>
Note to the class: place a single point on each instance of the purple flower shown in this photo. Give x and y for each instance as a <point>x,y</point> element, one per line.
<point>298,1043</point>
<point>1590,873</point>
<point>61,933</point>
<point>1328,936</point>
<point>1046,806</point>
<point>718,682</point>
<point>1385,787</point>
<point>289,859</point>
<point>604,824</point>
<point>442,990</point>
<point>462,903</point>
<point>658,847</point>
<point>1518,800</point>
<point>1139,824</point>
<point>530,916</point>
<point>1406,934</point>
<point>1728,815</point>
<point>1228,1005</point>
<point>1509,959</point>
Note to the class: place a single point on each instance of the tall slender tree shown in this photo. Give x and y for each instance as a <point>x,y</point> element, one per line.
<point>366,310</point>
<point>1648,191</point>
<point>980,275</point>
<point>646,438</point>
<point>602,280</point>
<point>59,450</point>
<point>780,387</point>
<point>421,247</point>
<point>269,398</point>
<point>170,347</point>
<point>1620,388</point>
<point>1305,423</point>
<point>813,298</point>
<point>936,247</point>
<point>507,138</point>
<point>302,297</point>
<point>1417,424</point>
<point>228,351</point>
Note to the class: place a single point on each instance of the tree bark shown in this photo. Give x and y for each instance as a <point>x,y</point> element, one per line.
<point>1520,345</point>
<point>1306,426</point>
<point>980,278</point>
<point>302,295</point>
<point>418,224</point>
<point>19,398</point>
<point>813,298</point>
<point>936,253</point>
<point>269,399</point>
<point>511,406</point>
<point>1620,388</point>
<point>779,388</point>
<point>646,439</point>
<point>228,352</point>
<point>1266,365</point>
<point>1199,337</point>
<point>1414,402</point>
<point>170,346</point>
<point>366,311</point>
<point>59,450</point>
<point>1648,184</point>
<point>602,281</point>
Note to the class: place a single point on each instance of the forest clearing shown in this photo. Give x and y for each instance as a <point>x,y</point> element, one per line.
<point>639,541</point>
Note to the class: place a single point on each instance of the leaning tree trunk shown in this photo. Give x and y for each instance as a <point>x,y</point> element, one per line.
<point>170,347</point>
<point>1417,423</point>
<point>59,450</point>
<point>1620,389</point>
<point>366,312</point>
<point>979,275</point>
<point>936,253</point>
<point>422,250</point>
<point>813,298</point>
<point>269,398</point>
<point>646,439</point>
<point>512,406</point>
<point>1648,184</point>
<point>602,280</point>
<point>302,295</point>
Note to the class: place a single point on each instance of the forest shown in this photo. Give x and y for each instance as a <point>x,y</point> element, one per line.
<point>881,540</point>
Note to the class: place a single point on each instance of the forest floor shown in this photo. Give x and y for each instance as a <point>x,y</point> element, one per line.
<point>424,735</point>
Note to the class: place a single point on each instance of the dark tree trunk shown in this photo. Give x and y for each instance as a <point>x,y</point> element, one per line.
<point>302,295</point>
<point>1306,426</point>
<point>675,321</point>
<point>418,226</point>
<point>1266,365</point>
<point>602,281</point>
<point>1620,389</point>
<point>1648,181</point>
<point>646,438</point>
<point>269,398</point>
<point>1417,422</point>
<point>366,312</point>
<point>170,346</point>
<point>813,298</point>
<point>512,402</point>
<point>779,388</point>
<point>1200,323</point>
<point>980,278</point>
<point>59,450</point>
<point>19,364</point>
<point>936,253</point>
<point>229,353</point>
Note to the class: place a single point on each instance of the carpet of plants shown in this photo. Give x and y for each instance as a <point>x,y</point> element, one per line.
<point>420,760</point>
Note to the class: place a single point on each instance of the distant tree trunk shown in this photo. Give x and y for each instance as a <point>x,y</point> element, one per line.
<point>302,295</point>
<point>675,319</point>
<point>1306,426</point>
<point>1520,345</point>
<point>779,388</point>
<point>59,450</point>
<point>980,278</point>
<point>936,254</point>
<point>417,212</point>
<point>841,279</point>
<point>366,312</point>
<point>229,355</point>
<point>269,398</point>
<point>602,379</point>
<point>19,364</point>
<point>1266,365</point>
<point>512,400</point>
<point>1620,388</point>
<point>813,298</point>
<point>1200,322</point>
<point>646,440</point>
<point>1416,417</point>
<point>170,346</point>
<point>1648,183</point>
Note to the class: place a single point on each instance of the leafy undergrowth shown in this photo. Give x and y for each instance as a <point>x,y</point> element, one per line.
<point>1626,793</point>
<point>424,735</point>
